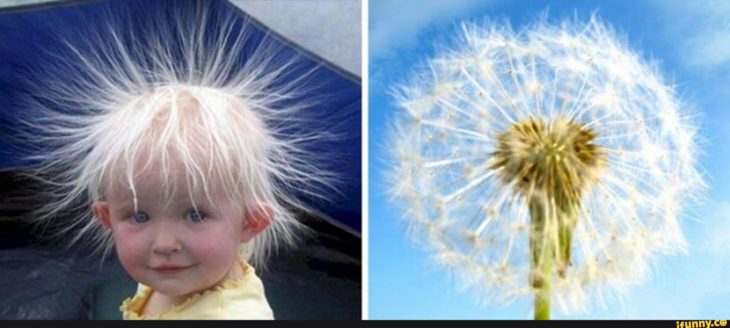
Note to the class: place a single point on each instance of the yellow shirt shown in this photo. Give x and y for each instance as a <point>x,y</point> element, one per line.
<point>241,298</point>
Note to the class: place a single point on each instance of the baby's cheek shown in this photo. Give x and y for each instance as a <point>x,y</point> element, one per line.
<point>130,250</point>
<point>218,251</point>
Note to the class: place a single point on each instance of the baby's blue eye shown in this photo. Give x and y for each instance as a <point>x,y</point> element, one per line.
<point>195,215</point>
<point>140,217</point>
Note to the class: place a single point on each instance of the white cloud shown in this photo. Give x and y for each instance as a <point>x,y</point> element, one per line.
<point>715,237</point>
<point>396,25</point>
<point>710,48</point>
<point>704,27</point>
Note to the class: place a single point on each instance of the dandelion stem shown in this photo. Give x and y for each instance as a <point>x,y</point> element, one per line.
<point>550,219</point>
<point>567,220</point>
<point>542,304</point>
<point>541,266</point>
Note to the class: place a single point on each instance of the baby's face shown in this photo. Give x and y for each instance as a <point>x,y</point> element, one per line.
<point>170,245</point>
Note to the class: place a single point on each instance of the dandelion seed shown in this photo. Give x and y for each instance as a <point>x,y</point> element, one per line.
<point>562,163</point>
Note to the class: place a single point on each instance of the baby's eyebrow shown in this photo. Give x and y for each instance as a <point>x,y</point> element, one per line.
<point>123,211</point>
<point>127,203</point>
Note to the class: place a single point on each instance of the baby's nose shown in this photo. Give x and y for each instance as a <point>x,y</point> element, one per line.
<point>166,242</point>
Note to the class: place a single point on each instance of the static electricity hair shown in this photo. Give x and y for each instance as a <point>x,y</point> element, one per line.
<point>194,91</point>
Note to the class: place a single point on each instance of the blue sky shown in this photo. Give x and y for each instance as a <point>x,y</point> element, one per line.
<point>691,41</point>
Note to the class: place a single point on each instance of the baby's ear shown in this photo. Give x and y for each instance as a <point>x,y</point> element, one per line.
<point>101,213</point>
<point>256,221</point>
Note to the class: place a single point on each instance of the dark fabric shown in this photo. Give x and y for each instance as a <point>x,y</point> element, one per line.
<point>42,283</point>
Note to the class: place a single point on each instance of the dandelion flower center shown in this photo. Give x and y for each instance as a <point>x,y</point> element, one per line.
<point>555,159</point>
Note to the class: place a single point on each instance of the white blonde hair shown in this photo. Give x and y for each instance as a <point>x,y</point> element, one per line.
<point>119,102</point>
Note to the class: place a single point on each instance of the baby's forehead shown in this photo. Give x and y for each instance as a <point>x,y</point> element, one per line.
<point>170,184</point>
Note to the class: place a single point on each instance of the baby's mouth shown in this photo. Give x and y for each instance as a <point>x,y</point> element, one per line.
<point>170,268</point>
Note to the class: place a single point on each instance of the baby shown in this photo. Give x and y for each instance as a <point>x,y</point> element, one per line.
<point>186,185</point>
<point>192,166</point>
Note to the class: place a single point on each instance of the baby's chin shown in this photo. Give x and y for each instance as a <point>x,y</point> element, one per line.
<point>176,289</point>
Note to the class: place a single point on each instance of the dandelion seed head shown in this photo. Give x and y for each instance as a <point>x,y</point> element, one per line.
<point>556,157</point>
<point>554,147</point>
